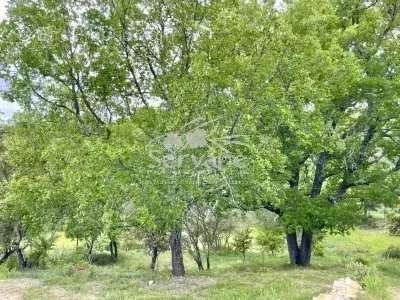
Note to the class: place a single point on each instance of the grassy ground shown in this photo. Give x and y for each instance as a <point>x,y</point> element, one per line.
<point>69,277</point>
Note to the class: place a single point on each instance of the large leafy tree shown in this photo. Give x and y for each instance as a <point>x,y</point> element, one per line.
<point>313,88</point>
<point>319,82</point>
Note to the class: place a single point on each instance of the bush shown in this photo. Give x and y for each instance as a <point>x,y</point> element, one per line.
<point>394,222</point>
<point>358,271</point>
<point>270,241</point>
<point>375,287</point>
<point>12,263</point>
<point>242,242</point>
<point>41,247</point>
<point>393,252</point>
<point>361,260</point>
<point>317,246</point>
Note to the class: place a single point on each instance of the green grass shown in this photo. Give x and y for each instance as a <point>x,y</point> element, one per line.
<point>229,278</point>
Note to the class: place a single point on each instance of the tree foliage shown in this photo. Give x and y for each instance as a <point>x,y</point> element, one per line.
<point>136,111</point>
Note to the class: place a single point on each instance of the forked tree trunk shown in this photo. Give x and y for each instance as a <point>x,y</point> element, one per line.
<point>299,255</point>
<point>178,268</point>
<point>154,256</point>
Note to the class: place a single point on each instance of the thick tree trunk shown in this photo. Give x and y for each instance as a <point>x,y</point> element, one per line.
<point>154,256</point>
<point>178,268</point>
<point>305,249</point>
<point>293,248</point>
<point>299,256</point>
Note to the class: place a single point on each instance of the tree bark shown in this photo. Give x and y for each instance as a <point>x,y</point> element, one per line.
<point>154,256</point>
<point>113,249</point>
<point>299,256</point>
<point>293,248</point>
<point>7,253</point>
<point>90,245</point>
<point>208,259</point>
<point>305,248</point>
<point>21,259</point>
<point>197,257</point>
<point>178,268</point>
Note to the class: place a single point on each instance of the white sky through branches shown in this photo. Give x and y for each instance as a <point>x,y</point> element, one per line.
<point>7,109</point>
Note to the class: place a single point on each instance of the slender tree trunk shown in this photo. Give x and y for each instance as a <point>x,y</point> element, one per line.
<point>77,245</point>
<point>7,253</point>
<point>90,245</point>
<point>197,257</point>
<point>115,249</point>
<point>178,268</point>
<point>154,256</point>
<point>208,258</point>
<point>21,259</point>
<point>110,245</point>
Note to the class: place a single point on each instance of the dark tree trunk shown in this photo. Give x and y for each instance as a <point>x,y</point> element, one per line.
<point>299,256</point>
<point>110,245</point>
<point>21,259</point>
<point>305,248</point>
<point>154,256</point>
<point>7,253</point>
<point>178,268</point>
<point>293,248</point>
<point>113,249</point>
<point>208,260</point>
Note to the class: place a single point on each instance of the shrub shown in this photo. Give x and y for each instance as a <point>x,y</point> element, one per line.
<point>394,222</point>
<point>242,242</point>
<point>41,247</point>
<point>317,246</point>
<point>393,252</point>
<point>358,271</point>
<point>270,241</point>
<point>12,263</point>
<point>375,287</point>
<point>361,260</point>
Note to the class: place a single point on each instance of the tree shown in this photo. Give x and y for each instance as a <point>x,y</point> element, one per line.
<point>318,86</point>
<point>394,222</point>
<point>185,166</point>
<point>312,89</point>
<point>270,240</point>
<point>242,242</point>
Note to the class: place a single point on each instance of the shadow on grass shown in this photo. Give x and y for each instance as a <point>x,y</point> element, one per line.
<point>103,259</point>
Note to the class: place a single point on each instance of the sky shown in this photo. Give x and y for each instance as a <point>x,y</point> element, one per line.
<point>7,109</point>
